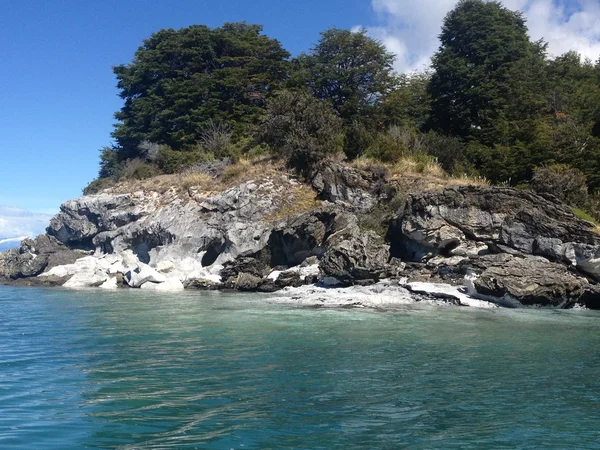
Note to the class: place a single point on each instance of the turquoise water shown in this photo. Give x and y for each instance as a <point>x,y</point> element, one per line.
<point>216,371</point>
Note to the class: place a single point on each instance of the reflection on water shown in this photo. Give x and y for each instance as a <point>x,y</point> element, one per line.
<point>130,369</point>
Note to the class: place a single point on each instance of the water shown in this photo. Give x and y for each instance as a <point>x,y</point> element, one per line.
<point>135,370</point>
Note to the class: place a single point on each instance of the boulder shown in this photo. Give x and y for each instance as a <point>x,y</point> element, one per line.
<point>532,281</point>
<point>143,274</point>
<point>305,235</point>
<point>247,282</point>
<point>363,256</point>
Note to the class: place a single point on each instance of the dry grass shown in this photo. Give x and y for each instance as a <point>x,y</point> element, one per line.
<point>195,179</point>
<point>300,199</point>
<point>419,174</point>
<point>240,172</point>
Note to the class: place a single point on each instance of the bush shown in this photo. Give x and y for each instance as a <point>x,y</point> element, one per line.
<point>357,139</point>
<point>301,129</point>
<point>449,151</point>
<point>562,181</point>
<point>136,169</point>
<point>216,139</point>
<point>172,161</point>
<point>98,185</point>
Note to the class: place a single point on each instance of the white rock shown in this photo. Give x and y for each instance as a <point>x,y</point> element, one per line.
<point>110,283</point>
<point>86,279</point>
<point>144,274</point>
<point>171,285</point>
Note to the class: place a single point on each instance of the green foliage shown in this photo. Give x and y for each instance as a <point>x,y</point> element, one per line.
<point>450,153</point>
<point>584,215</point>
<point>409,104</point>
<point>357,139</point>
<point>171,161</point>
<point>395,143</point>
<point>109,162</point>
<point>98,185</point>
<point>488,77</point>
<point>349,69</point>
<point>562,181</point>
<point>180,80</point>
<point>301,129</point>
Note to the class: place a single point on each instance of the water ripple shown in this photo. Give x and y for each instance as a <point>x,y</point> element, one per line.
<point>137,370</point>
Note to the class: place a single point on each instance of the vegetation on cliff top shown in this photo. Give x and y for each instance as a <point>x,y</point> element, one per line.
<point>492,104</point>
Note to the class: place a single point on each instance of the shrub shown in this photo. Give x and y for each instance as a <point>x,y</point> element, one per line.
<point>387,148</point>
<point>562,181</point>
<point>136,169</point>
<point>357,139</point>
<point>172,161</point>
<point>301,129</point>
<point>98,185</point>
<point>450,152</point>
<point>216,139</point>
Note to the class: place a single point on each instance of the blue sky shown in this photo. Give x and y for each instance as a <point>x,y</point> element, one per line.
<point>58,94</point>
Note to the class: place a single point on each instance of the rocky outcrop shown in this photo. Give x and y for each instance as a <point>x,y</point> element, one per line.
<point>530,281</point>
<point>513,246</point>
<point>524,247</point>
<point>35,256</point>
<point>349,187</point>
<point>358,256</point>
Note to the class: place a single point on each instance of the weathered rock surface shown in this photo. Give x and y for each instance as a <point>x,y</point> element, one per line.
<point>346,186</point>
<point>530,280</point>
<point>513,246</point>
<point>356,257</point>
<point>475,220</point>
<point>35,256</point>
<point>524,246</point>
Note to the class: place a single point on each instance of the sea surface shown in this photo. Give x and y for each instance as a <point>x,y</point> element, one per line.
<point>137,370</point>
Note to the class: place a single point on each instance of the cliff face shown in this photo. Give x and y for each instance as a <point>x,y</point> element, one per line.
<point>513,246</point>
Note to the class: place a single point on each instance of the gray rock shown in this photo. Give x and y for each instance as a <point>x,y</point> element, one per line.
<point>247,282</point>
<point>356,257</point>
<point>35,256</point>
<point>471,220</point>
<point>345,186</point>
<point>304,236</point>
<point>531,281</point>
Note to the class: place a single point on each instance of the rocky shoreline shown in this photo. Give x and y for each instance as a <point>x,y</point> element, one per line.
<point>509,246</point>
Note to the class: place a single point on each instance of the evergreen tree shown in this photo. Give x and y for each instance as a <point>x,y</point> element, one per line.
<point>180,80</point>
<point>488,78</point>
<point>349,69</point>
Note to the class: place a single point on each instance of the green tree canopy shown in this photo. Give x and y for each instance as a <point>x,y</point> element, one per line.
<point>301,129</point>
<point>488,76</point>
<point>349,69</point>
<point>181,79</point>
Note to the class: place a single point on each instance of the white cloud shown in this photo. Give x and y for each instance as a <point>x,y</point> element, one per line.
<point>18,222</point>
<point>410,28</point>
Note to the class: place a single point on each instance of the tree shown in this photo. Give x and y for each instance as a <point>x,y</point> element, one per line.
<point>488,76</point>
<point>349,69</point>
<point>409,103</point>
<point>301,129</point>
<point>179,80</point>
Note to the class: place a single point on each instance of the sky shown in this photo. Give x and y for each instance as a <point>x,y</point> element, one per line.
<point>58,93</point>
